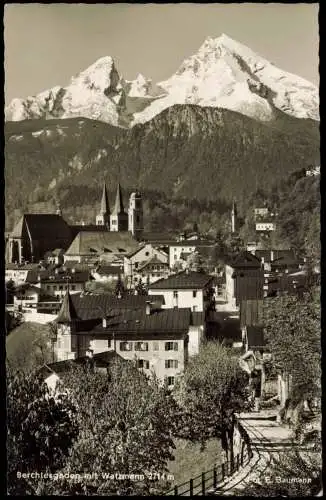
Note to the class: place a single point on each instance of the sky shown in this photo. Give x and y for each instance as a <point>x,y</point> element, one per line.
<point>47,44</point>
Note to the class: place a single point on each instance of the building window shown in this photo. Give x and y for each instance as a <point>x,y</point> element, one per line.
<point>170,380</point>
<point>171,346</point>
<point>156,346</point>
<point>125,346</point>
<point>142,363</point>
<point>171,363</point>
<point>194,294</point>
<point>61,287</point>
<point>141,346</point>
<point>73,287</point>
<point>175,294</point>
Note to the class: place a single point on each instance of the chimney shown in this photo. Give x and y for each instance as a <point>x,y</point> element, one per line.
<point>148,308</point>
<point>104,322</point>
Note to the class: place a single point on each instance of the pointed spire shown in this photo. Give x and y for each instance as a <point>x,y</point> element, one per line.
<point>105,209</point>
<point>67,313</point>
<point>118,207</point>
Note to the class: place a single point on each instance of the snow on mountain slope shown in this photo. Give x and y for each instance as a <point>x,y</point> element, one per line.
<point>223,73</point>
<point>226,74</point>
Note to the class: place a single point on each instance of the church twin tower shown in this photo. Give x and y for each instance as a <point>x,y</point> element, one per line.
<point>119,220</point>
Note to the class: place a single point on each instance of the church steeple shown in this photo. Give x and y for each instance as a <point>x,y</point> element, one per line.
<point>67,313</point>
<point>119,218</point>
<point>118,206</point>
<point>103,218</point>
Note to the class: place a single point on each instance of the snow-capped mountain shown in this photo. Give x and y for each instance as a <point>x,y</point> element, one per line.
<point>223,73</point>
<point>226,74</point>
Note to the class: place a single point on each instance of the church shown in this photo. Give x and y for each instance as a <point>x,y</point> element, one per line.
<point>113,233</point>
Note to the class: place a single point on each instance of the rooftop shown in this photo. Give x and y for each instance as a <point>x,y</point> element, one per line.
<point>96,306</point>
<point>183,280</point>
<point>102,242</point>
<point>244,260</point>
<point>42,226</point>
<point>136,321</point>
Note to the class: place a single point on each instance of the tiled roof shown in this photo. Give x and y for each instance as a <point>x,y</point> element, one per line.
<point>137,322</point>
<point>244,260</point>
<point>183,280</point>
<point>285,261</point>
<point>96,306</point>
<point>44,226</point>
<point>135,251</point>
<point>101,242</point>
<point>255,335</point>
<point>63,277</point>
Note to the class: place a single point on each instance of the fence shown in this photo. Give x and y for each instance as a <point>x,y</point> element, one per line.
<point>209,480</point>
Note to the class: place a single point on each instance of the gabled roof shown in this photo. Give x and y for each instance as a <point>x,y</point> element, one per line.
<point>183,280</point>
<point>99,242</point>
<point>67,313</point>
<point>118,206</point>
<point>43,226</point>
<point>276,254</point>
<point>105,208</point>
<point>244,260</point>
<point>101,360</point>
<point>96,306</point>
<point>136,321</point>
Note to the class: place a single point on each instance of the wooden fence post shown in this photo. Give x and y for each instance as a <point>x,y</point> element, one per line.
<point>191,487</point>
<point>203,483</point>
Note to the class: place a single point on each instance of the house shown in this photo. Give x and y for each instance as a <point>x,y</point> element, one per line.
<point>244,277</point>
<point>187,246</point>
<point>97,246</point>
<point>18,273</point>
<point>36,234</point>
<point>188,289</point>
<point>26,296</point>
<point>107,273</point>
<point>139,257</point>
<point>155,339</point>
<point>55,282</point>
<point>151,271</point>
<point>265,226</point>
<point>260,212</point>
<point>54,256</point>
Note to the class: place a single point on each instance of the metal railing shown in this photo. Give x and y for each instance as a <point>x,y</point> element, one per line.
<point>207,481</point>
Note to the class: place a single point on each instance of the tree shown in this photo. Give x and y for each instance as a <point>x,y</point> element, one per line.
<point>211,390</point>
<point>195,262</point>
<point>40,430</point>
<point>126,424</point>
<point>292,325</point>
